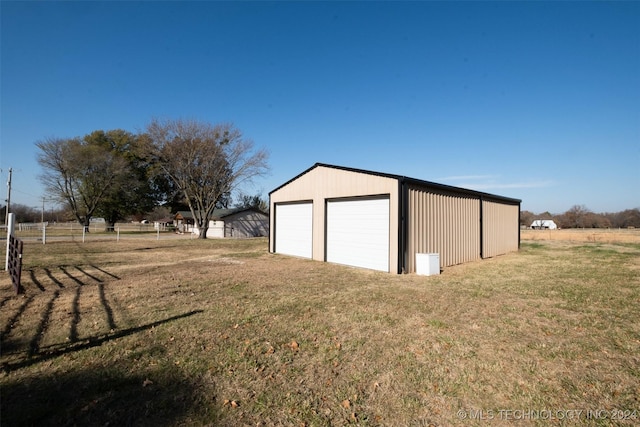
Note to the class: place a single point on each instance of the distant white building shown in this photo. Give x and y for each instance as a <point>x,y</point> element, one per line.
<point>237,223</point>
<point>544,224</point>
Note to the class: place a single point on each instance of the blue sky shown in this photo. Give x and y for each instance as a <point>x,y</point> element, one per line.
<point>533,100</point>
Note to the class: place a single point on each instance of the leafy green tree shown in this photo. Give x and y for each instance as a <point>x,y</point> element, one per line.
<point>204,162</point>
<point>135,192</point>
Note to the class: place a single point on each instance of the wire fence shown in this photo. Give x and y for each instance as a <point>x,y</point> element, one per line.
<point>72,231</point>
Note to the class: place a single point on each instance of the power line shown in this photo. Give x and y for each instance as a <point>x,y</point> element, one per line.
<point>15,190</point>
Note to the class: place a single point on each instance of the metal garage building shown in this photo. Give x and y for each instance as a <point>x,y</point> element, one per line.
<point>381,221</point>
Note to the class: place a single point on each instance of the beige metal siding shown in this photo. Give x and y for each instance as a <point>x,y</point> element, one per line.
<point>447,224</point>
<point>322,183</point>
<point>500,228</point>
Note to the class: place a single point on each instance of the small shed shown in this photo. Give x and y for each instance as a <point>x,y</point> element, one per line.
<point>236,223</point>
<point>382,221</point>
<point>544,224</point>
<point>183,221</point>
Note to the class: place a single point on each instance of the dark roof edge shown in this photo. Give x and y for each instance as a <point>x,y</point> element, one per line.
<point>294,178</point>
<point>226,212</point>
<point>465,191</point>
<point>414,181</point>
<point>368,172</point>
<point>237,210</point>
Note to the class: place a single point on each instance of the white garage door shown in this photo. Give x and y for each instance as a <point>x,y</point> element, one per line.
<point>216,229</point>
<point>293,229</point>
<point>358,233</point>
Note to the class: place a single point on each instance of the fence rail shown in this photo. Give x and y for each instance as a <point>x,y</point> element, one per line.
<point>46,232</point>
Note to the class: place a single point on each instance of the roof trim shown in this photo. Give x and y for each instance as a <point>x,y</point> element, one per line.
<point>219,214</point>
<point>411,181</point>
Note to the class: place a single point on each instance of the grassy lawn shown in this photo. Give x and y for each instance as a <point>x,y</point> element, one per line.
<point>220,332</point>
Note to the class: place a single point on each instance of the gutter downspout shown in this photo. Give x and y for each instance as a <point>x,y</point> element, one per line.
<point>272,223</point>
<point>403,204</point>
<point>481,229</point>
<point>519,226</point>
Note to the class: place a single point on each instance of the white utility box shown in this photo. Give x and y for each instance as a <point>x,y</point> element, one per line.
<point>427,264</point>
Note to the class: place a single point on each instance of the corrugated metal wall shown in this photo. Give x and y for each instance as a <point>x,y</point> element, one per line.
<point>460,225</point>
<point>447,224</point>
<point>320,183</point>
<point>246,224</point>
<point>500,228</point>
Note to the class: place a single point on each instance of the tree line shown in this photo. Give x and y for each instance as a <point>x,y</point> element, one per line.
<point>579,216</point>
<point>177,164</point>
<point>56,214</point>
<point>576,217</point>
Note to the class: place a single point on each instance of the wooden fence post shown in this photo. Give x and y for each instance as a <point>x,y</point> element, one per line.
<point>13,262</point>
<point>11,225</point>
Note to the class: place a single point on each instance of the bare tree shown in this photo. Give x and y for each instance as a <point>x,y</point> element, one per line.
<point>576,216</point>
<point>79,175</point>
<point>205,162</point>
<point>23,213</point>
<point>629,218</point>
<point>526,218</point>
<point>246,201</point>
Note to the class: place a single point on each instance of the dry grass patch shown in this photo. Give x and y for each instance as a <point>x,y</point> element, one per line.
<point>220,332</point>
<point>592,235</point>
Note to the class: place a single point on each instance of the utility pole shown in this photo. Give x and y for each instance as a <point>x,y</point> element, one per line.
<point>6,217</point>
<point>42,214</point>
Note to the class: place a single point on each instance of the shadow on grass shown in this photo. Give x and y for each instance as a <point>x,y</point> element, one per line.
<point>34,344</point>
<point>16,316</point>
<point>107,395</point>
<point>35,281</point>
<point>75,309</point>
<point>70,276</point>
<point>105,272</point>
<point>51,352</point>
<point>97,279</point>
<point>53,279</point>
